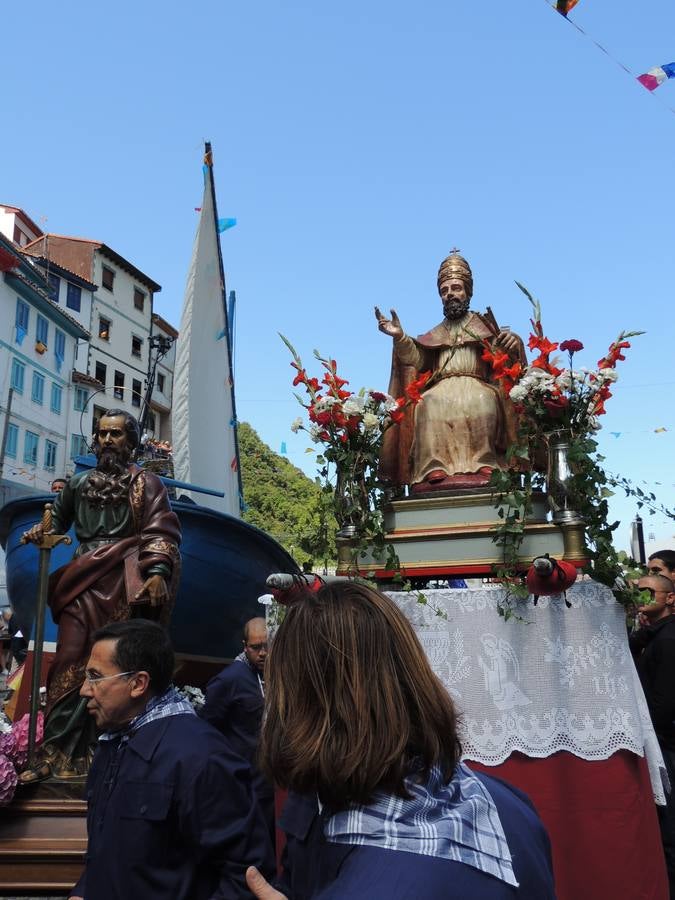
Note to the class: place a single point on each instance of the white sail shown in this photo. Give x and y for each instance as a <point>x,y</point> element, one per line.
<point>204,415</point>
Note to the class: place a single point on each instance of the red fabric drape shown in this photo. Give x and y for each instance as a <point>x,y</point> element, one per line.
<point>601,818</point>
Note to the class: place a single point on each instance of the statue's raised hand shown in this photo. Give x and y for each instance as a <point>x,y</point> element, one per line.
<point>392,326</point>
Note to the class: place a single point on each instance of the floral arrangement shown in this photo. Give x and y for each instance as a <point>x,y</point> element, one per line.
<point>554,398</point>
<point>551,398</point>
<point>14,753</point>
<point>350,427</point>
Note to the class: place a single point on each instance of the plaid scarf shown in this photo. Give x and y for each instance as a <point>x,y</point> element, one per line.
<point>171,703</point>
<point>456,821</point>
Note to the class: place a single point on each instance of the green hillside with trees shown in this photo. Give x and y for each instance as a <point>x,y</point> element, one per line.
<point>283,501</point>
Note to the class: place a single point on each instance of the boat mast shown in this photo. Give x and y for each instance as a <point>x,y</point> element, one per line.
<point>208,162</point>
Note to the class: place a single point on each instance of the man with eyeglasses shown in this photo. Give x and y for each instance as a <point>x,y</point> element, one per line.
<point>170,810</point>
<point>234,705</point>
<point>653,648</point>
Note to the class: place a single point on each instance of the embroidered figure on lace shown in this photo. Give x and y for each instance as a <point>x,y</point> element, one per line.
<point>603,651</point>
<point>503,689</point>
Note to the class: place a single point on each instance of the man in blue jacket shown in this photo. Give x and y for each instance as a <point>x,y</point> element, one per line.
<point>234,705</point>
<point>171,812</point>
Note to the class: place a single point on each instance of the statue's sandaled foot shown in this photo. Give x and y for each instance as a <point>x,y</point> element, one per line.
<point>39,773</point>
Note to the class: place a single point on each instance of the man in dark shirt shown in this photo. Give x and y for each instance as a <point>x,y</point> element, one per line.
<point>653,648</point>
<point>234,705</point>
<point>171,814</point>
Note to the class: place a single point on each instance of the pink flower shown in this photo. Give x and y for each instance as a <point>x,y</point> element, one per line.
<point>20,732</point>
<point>8,746</point>
<point>572,346</point>
<point>8,780</point>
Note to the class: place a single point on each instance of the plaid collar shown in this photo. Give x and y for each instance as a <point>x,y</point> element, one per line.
<point>171,703</point>
<point>456,821</point>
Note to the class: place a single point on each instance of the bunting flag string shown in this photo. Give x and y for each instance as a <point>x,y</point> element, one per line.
<point>650,80</point>
<point>660,430</point>
<point>654,77</point>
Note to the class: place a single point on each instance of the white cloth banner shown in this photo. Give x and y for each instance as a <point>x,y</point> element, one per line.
<point>552,679</point>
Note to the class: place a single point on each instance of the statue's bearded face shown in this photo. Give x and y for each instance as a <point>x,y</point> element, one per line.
<point>454,297</point>
<point>112,445</point>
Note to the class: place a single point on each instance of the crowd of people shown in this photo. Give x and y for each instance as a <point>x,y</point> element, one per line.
<point>379,803</point>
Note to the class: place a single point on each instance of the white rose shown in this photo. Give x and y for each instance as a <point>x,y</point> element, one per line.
<point>296,425</point>
<point>370,421</point>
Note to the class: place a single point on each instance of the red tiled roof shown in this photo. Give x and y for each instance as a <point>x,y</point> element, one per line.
<point>45,259</point>
<point>109,252</point>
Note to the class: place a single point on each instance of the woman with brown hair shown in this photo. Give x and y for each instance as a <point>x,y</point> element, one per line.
<point>363,734</point>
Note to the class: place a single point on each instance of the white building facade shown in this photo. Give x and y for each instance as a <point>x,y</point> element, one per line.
<point>38,348</point>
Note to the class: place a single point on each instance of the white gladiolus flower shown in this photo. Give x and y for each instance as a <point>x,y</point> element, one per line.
<point>296,425</point>
<point>608,374</point>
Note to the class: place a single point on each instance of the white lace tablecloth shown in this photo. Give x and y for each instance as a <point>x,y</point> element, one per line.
<point>562,679</point>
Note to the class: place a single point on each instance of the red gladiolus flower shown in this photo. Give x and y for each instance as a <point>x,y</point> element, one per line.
<point>542,344</point>
<point>313,384</point>
<point>322,418</point>
<point>572,346</point>
<point>413,390</point>
<point>300,378</point>
<point>396,415</point>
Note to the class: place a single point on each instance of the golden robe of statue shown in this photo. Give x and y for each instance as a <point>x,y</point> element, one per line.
<point>460,430</point>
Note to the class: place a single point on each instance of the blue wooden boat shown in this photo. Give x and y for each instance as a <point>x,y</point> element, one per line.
<point>225,564</point>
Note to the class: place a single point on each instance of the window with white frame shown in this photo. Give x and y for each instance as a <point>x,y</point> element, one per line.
<point>59,348</point>
<point>42,330</point>
<point>78,446</point>
<point>50,455</point>
<point>30,448</point>
<point>56,398</point>
<point>22,319</point>
<point>54,286</point>
<point>81,397</point>
<point>37,393</point>
<point>12,440</point>
<point>18,375</point>
<point>74,297</point>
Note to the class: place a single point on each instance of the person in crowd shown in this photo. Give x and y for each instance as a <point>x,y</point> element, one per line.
<point>170,806</point>
<point>364,736</point>
<point>58,485</point>
<point>662,563</point>
<point>18,648</point>
<point>234,705</point>
<point>653,649</point>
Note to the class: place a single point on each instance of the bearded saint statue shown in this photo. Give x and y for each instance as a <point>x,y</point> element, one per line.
<point>127,564</point>
<point>460,431</point>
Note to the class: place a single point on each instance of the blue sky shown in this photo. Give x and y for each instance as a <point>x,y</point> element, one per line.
<point>356,143</point>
